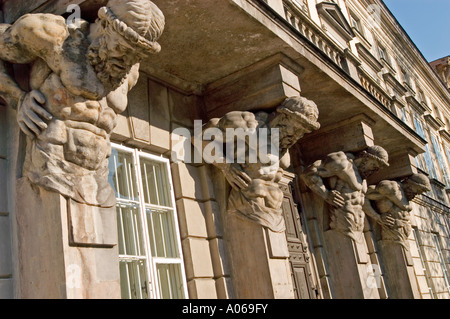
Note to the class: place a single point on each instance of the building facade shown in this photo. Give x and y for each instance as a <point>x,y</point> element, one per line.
<point>173,234</point>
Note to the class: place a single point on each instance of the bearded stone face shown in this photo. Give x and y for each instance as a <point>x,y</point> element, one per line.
<point>289,131</point>
<point>368,166</point>
<point>112,58</point>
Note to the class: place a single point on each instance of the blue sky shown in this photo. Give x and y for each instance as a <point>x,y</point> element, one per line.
<point>427,23</point>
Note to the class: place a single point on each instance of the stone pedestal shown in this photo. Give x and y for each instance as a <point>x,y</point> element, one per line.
<point>398,271</point>
<point>259,260</point>
<point>66,249</point>
<point>349,266</point>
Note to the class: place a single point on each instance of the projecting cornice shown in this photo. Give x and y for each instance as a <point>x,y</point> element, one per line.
<point>433,122</point>
<point>367,56</point>
<point>390,78</point>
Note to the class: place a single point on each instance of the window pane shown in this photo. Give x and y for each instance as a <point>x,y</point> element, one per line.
<point>130,230</point>
<point>133,279</point>
<point>170,281</point>
<point>161,228</point>
<point>156,183</point>
<point>121,175</point>
<point>437,245</point>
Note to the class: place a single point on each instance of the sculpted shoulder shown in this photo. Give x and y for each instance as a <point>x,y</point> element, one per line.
<point>40,33</point>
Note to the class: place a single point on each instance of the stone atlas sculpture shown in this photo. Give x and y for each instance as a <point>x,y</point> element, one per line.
<point>393,208</point>
<point>340,179</point>
<point>255,192</point>
<point>79,80</point>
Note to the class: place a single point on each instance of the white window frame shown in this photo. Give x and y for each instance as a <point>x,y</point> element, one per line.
<point>151,264</point>
<point>426,272</point>
<point>438,248</point>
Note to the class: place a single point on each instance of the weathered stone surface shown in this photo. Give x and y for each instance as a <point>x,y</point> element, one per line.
<point>190,182</point>
<point>3,186</point>
<point>79,80</point>
<point>5,247</point>
<point>392,201</point>
<point>91,226</point>
<point>3,131</point>
<point>191,215</point>
<point>219,258</point>
<point>255,192</point>
<point>202,288</point>
<point>223,285</point>
<point>399,275</point>
<point>346,186</point>
<point>49,266</point>
<point>351,135</point>
<point>139,112</point>
<point>6,289</point>
<point>255,275</point>
<point>350,278</point>
<point>276,81</point>
<point>197,258</point>
<point>159,116</point>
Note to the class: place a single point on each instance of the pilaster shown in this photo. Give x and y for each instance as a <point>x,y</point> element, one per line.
<point>66,250</point>
<point>346,262</point>
<point>259,257</point>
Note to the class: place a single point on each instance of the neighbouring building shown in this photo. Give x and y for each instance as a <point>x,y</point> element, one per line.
<point>178,229</point>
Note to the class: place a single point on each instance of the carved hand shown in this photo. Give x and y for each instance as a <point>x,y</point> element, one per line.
<point>335,199</point>
<point>31,114</point>
<point>387,220</point>
<point>237,178</point>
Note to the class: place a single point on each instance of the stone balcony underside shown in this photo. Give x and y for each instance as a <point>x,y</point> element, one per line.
<point>205,41</point>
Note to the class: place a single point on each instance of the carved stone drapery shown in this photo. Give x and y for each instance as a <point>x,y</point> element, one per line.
<point>340,179</point>
<point>79,80</point>
<point>392,205</point>
<point>391,209</point>
<point>255,192</point>
<point>78,83</point>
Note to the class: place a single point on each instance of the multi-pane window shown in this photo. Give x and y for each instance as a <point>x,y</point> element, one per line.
<point>440,159</point>
<point>151,261</point>
<point>437,246</point>
<point>422,262</point>
<point>426,156</point>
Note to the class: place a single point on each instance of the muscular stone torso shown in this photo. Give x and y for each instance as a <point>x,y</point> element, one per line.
<point>80,125</point>
<point>71,155</point>
<point>349,219</point>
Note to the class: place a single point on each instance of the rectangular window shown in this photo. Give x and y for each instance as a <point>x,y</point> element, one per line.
<point>383,54</point>
<point>422,261</point>
<point>440,159</point>
<point>151,261</point>
<point>427,155</point>
<point>406,78</point>
<point>356,23</point>
<point>437,246</point>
